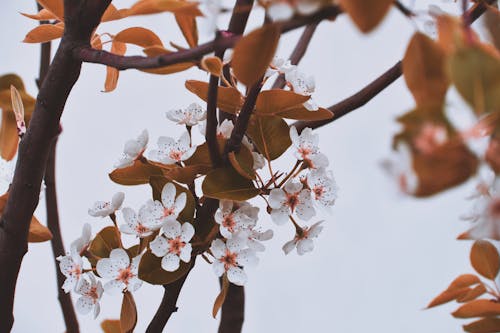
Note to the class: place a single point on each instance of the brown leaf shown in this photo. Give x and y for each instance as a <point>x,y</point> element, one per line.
<point>492,23</point>
<point>271,135</point>
<point>144,7</point>
<point>150,270</point>
<point>111,14</point>
<point>112,73</point>
<point>484,325</point>
<point>43,15</point>
<point>138,36</point>
<point>472,294</point>
<point>187,24</point>
<point>104,242</point>
<point>459,287</point>
<point>9,137</point>
<point>44,33</point>
<point>187,174</point>
<point>242,162</point>
<point>219,301</point>
<point>111,326</point>
<point>253,53</point>
<point>38,233</point>
<point>229,99</point>
<point>56,7</point>
<point>366,14</point>
<point>136,174</point>
<point>226,183</point>
<point>485,259</point>
<point>478,308</point>
<point>128,314</point>
<point>424,71</point>
<point>271,102</point>
<point>212,65</point>
<point>301,113</point>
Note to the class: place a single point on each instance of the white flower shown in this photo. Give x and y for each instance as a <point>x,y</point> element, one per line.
<point>430,137</point>
<point>255,237</point>
<point>293,199</point>
<point>259,161</point>
<point>303,85</point>
<point>71,266</point>
<point>280,11</point>
<point>230,257</point>
<point>81,244</point>
<point>189,116</point>
<point>171,151</point>
<point>155,213</point>
<point>400,168</point>
<point>304,241</point>
<point>306,148</point>
<point>224,129</point>
<point>135,225</point>
<point>106,208</point>
<point>173,245</point>
<point>91,292</point>
<point>231,221</point>
<point>6,174</point>
<point>307,7</point>
<point>133,150</point>
<point>486,180</point>
<point>120,270</point>
<point>323,187</point>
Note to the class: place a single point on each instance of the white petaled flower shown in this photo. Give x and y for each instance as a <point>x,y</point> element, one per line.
<point>306,148</point>
<point>293,198</point>
<point>323,187</point>
<point>400,168</point>
<point>171,151</point>
<point>255,237</point>
<point>280,11</point>
<point>122,272</point>
<point>224,129</point>
<point>486,180</point>
<point>279,65</point>
<point>134,223</point>
<point>307,7</point>
<point>6,174</point>
<point>230,257</point>
<point>91,292</point>
<point>189,116</point>
<point>430,137</point>
<point>259,161</point>
<point>71,266</point>
<point>155,213</point>
<point>304,242</point>
<point>173,245</point>
<point>106,208</point>
<point>82,243</point>
<point>233,220</point>
<point>133,150</point>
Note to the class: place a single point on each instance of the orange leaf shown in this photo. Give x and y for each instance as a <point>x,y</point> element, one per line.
<point>144,7</point>
<point>44,33</point>
<point>54,6</point>
<point>485,325</point>
<point>229,99</point>
<point>485,259</point>
<point>112,73</point>
<point>459,287</point>
<point>9,137</point>
<point>270,135</point>
<point>478,308</point>
<point>301,113</point>
<point>213,65</point>
<point>43,15</point>
<point>138,173</point>
<point>186,174</point>
<point>366,14</point>
<point>111,14</point>
<point>111,326</point>
<point>271,102</point>
<point>253,53</point>
<point>38,232</point>
<point>242,162</point>
<point>424,71</point>
<point>472,294</point>
<point>138,36</point>
<point>219,301</point>
<point>187,24</point>
<point>128,315</point>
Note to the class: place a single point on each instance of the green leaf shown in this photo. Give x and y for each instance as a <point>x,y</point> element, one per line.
<point>271,135</point>
<point>226,183</point>
<point>150,270</point>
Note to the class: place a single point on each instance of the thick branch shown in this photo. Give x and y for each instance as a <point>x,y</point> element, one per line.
<point>233,310</point>
<point>88,54</point>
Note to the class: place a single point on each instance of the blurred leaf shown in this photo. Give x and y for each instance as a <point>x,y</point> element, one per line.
<point>229,99</point>
<point>56,7</point>
<point>112,73</point>
<point>485,259</point>
<point>478,308</point>
<point>219,301</point>
<point>253,53</point>
<point>128,314</point>
<point>424,71</point>
<point>270,135</point>
<point>484,325</point>
<point>144,7</point>
<point>43,15</point>
<point>301,113</point>
<point>212,65</point>
<point>138,36</point>
<point>11,79</point>
<point>226,183</point>
<point>44,33</point>
<point>457,288</point>
<point>111,326</point>
<point>492,23</point>
<point>187,24</point>
<point>111,14</point>
<point>136,174</point>
<point>158,182</point>
<point>150,270</point>
<point>366,14</point>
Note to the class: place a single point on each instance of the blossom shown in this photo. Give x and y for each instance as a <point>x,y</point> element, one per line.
<point>173,245</point>
<point>171,151</point>
<point>106,208</point>
<point>303,241</point>
<point>224,129</point>
<point>430,137</point>
<point>259,161</point>
<point>230,257</point>
<point>71,266</point>
<point>91,292</point>
<point>134,224</point>
<point>284,10</point>
<point>6,174</point>
<point>303,85</point>
<point>292,199</point>
<point>155,213</point>
<point>306,148</point>
<point>232,220</point>
<point>400,168</point>
<point>323,187</point>
<point>120,270</point>
<point>133,150</point>
<point>189,116</point>
<point>486,180</point>
<point>255,237</point>
<point>81,244</point>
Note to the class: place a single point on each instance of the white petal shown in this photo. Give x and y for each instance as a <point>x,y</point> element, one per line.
<point>159,246</point>
<point>117,200</point>
<point>280,216</point>
<point>143,138</point>
<point>255,245</point>
<point>187,232</point>
<point>180,202</point>
<point>304,246</point>
<point>134,283</point>
<point>172,229</point>
<point>120,258</point>
<point>218,267</point>
<point>168,195</point>
<point>106,269</point>
<point>218,248</point>
<point>113,287</point>
<point>289,246</point>
<point>170,262</point>
<point>293,187</point>
<point>84,304</point>
<point>236,244</point>
<point>315,230</point>
<point>311,105</point>
<point>276,198</point>
<point>294,135</point>
<point>97,309</point>
<point>83,285</point>
<point>280,11</point>
<point>247,257</point>
<point>237,276</point>
<point>184,141</point>
<point>132,148</point>
<point>185,254</point>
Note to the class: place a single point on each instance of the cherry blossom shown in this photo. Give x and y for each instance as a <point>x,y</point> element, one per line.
<point>306,148</point>
<point>134,224</point>
<point>323,187</point>
<point>155,213</point>
<point>71,266</point>
<point>106,208</point>
<point>173,245</point>
<point>81,244</point>
<point>400,168</point>
<point>303,241</point>
<point>189,116</point>
<point>292,199</point>
<point>133,150</point>
<point>284,10</point>
<point>171,151</point>
<point>224,129</point>
<point>121,271</point>
<point>91,292</point>
<point>303,85</point>
<point>430,137</point>
<point>230,257</point>
<point>255,237</point>
<point>233,219</point>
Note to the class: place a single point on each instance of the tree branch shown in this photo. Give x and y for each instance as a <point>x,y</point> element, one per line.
<point>86,53</point>
<point>233,310</point>
<point>81,18</point>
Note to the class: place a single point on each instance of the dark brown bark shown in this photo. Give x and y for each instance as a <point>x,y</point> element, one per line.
<point>233,310</point>
<point>81,18</point>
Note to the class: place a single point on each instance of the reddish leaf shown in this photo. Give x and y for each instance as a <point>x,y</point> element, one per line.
<point>138,36</point>
<point>478,308</point>
<point>485,259</point>
<point>44,33</point>
<point>366,14</point>
<point>111,326</point>
<point>229,99</point>
<point>112,73</point>
<point>242,162</point>
<point>136,174</point>
<point>226,183</point>
<point>56,7</point>
<point>271,102</point>
<point>472,294</point>
<point>270,135</point>
<point>485,325</point>
<point>150,270</point>
<point>219,301</point>
<point>459,287</point>
<point>128,314</point>
<point>187,24</point>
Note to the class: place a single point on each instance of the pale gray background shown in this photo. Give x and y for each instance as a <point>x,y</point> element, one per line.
<point>381,257</point>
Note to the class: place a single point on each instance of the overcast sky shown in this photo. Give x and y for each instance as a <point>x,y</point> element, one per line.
<point>381,257</point>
